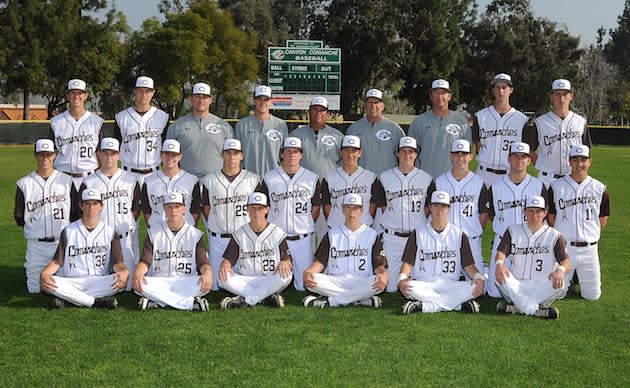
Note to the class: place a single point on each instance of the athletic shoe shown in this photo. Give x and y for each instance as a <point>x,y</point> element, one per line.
<point>471,306</point>
<point>375,302</point>
<point>273,300</point>
<point>109,303</point>
<point>547,312</point>
<point>200,304</point>
<point>315,301</point>
<point>146,304</point>
<point>411,307</point>
<point>60,303</point>
<point>234,302</point>
<point>506,308</point>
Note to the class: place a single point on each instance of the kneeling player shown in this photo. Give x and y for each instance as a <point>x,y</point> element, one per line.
<point>354,263</point>
<point>174,253</point>
<point>433,260</point>
<point>259,253</point>
<point>539,259</point>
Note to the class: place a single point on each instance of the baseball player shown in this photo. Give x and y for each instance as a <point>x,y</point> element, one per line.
<point>140,129</point>
<point>436,129</point>
<point>539,259</point>
<point>167,179</point>
<point>76,134</point>
<point>579,208</point>
<point>402,195</point>
<point>507,199</point>
<point>175,260</point>
<point>261,134</point>
<point>90,255</point>
<point>353,261</point>
<point>121,200</point>
<point>494,130</point>
<point>201,134</point>
<point>349,178</point>
<point>434,257</point>
<point>45,203</point>
<point>321,143</point>
<point>294,199</point>
<point>469,198</point>
<point>555,132</point>
<point>257,265</point>
<point>224,200</point>
<point>379,135</point>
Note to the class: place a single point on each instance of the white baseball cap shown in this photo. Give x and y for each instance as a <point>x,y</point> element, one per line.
<point>257,198</point>
<point>201,88</point>
<point>174,197</point>
<point>232,144</point>
<point>374,93</point>
<point>77,84</point>
<point>535,201</point>
<point>292,142</point>
<point>519,148</point>
<point>262,90</point>
<point>171,145</point>
<point>441,84</point>
<point>144,82</point>
<point>91,195</point>
<point>321,101</point>
<point>351,141</point>
<point>460,145</point>
<point>502,77</point>
<point>561,84</point>
<point>44,145</point>
<point>408,141</point>
<point>109,143</point>
<point>352,200</point>
<point>579,151</point>
<point>441,197</point>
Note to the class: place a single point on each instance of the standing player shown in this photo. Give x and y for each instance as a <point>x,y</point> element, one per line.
<point>349,178</point>
<point>539,261</point>
<point>224,201</point>
<point>201,134</point>
<point>261,134</point>
<point>140,129</point>
<point>45,203</point>
<point>89,253</point>
<point>435,255</point>
<point>167,179</point>
<point>494,130</point>
<point>76,133</point>
<point>507,199</point>
<point>353,260</point>
<point>402,198</point>
<point>579,209</point>
<point>469,198</point>
<point>257,264</point>
<point>555,132</point>
<point>294,197</point>
<point>436,129</point>
<point>175,259</point>
<point>121,200</point>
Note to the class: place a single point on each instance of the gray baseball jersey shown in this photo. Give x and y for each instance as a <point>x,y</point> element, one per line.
<point>321,148</point>
<point>140,137</point>
<point>337,183</point>
<point>496,133</point>
<point>261,142</point>
<point>76,141</point>
<point>379,143</point>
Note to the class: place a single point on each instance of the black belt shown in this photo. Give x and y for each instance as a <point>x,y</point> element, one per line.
<point>78,174</point>
<point>556,176</point>
<point>581,243</point>
<point>47,239</point>
<point>399,234</point>
<point>472,238</point>
<point>500,172</point>
<point>222,235</point>
<point>297,237</point>
<point>124,234</point>
<point>145,171</point>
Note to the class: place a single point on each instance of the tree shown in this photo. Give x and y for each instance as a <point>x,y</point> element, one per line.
<point>617,49</point>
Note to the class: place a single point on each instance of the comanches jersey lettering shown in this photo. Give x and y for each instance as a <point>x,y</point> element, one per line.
<point>406,197</point>
<point>508,201</point>
<point>174,253</point>
<point>438,254</point>
<point>465,201</point>
<point>76,141</point>
<point>555,138</point>
<point>532,255</point>
<point>258,254</point>
<point>496,134</point>
<point>141,137</point>
<point>351,252</point>
<point>157,185</point>
<point>340,184</point>
<point>87,253</point>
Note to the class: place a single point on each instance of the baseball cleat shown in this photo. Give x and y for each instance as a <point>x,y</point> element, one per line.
<point>374,302</point>
<point>201,304</point>
<point>471,306</point>
<point>146,304</point>
<point>315,301</point>
<point>273,300</point>
<point>506,308</point>
<point>412,306</point>
<point>59,303</point>
<point>233,302</point>
<point>109,303</point>
<point>547,312</point>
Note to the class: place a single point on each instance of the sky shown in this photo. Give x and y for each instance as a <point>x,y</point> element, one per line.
<point>581,17</point>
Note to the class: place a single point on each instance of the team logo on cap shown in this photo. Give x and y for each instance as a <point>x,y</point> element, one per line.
<point>454,129</point>
<point>536,202</point>
<point>170,146</point>
<point>352,200</point>
<point>579,150</point>
<point>232,144</point>
<point>293,142</point>
<point>328,140</point>
<point>383,135</point>
<point>520,148</point>
<point>440,83</point>
<point>408,141</point>
<point>561,84</point>
<point>459,146</point>
<point>273,135</point>
<point>172,196</point>
<point>351,141</point>
<point>144,82</point>
<point>440,196</point>
<point>76,83</point>
<point>258,197</point>
<point>213,129</point>
<point>110,144</point>
<point>45,146</point>
<point>201,88</point>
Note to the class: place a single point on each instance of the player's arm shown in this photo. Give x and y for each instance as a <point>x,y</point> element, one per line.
<point>136,204</point>
<point>316,201</point>
<point>468,262</point>
<point>195,203</point>
<point>121,272</point>
<point>318,265</point>
<point>531,137</point>
<point>430,189</point>
<point>203,266</point>
<point>475,134</point>
<point>483,206</point>
<point>409,259</point>
<point>146,206</point>
<point>230,256</point>
<point>143,265</point>
<point>504,249</point>
<point>563,263</point>
<point>116,133</point>
<point>604,210</point>
<point>379,263</point>
<point>286,264</point>
<point>326,206</point>
<point>18,208</point>
<point>46,279</point>
<point>205,202</point>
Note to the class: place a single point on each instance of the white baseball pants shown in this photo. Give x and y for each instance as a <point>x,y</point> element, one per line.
<point>442,294</point>
<point>529,295</point>
<point>38,254</point>
<point>342,290</point>
<point>302,257</point>
<point>217,246</point>
<point>394,246</point>
<point>178,292</point>
<point>255,288</point>
<point>82,291</point>
<point>585,260</point>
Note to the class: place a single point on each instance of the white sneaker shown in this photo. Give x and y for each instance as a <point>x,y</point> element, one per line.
<point>373,301</point>
<point>315,301</point>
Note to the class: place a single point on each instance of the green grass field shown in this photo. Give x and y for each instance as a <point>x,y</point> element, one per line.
<point>589,345</point>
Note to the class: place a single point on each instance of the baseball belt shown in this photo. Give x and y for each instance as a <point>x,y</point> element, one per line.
<point>581,243</point>
<point>78,174</point>
<point>399,234</point>
<point>297,237</point>
<point>47,239</point>
<point>138,171</point>
<point>556,176</point>
<point>222,235</point>
<point>499,172</point>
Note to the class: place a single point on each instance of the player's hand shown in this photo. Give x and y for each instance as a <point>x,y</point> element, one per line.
<point>225,270</point>
<point>405,287</point>
<point>557,279</point>
<point>285,269</point>
<point>380,282</point>
<point>309,280</point>
<point>138,280</point>
<point>205,281</point>
<point>47,282</point>
<point>120,279</point>
<point>501,273</point>
<point>479,287</point>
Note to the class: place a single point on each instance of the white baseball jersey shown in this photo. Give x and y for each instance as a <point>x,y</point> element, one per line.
<point>140,137</point>
<point>379,142</point>
<point>555,138</point>
<point>173,254</point>
<point>85,252</point>
<point>290,200</point>
<point>469,199</point>
<point>258,254</point>
<point>405,196</point>
<point>157,185</point>
<point>47,204</point>
<point>508,201</point>
<point>227,200</point>
<point>76,141</point>
<point>339,183</point>
<point>261,142</point>
<point>321,148</point>
<point>496,133</point>
<point>349,252</point>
